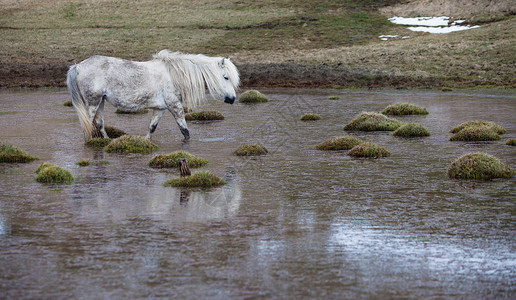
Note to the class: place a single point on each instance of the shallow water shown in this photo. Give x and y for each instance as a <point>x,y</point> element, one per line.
<point>296,223</point>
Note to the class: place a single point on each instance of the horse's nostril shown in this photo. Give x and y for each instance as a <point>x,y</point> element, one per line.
<point>229,100</point>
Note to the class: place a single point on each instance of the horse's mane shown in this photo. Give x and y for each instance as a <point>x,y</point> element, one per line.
<point>190,74</point>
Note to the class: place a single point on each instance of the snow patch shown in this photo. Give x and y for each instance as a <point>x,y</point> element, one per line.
<point>432,24</point>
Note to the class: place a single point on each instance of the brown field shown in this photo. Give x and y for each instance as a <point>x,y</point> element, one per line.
<point>280,43</point>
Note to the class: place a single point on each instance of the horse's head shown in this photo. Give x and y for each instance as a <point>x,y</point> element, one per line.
<point>230,80</point>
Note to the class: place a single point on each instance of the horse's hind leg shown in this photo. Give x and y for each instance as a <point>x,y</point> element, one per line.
<point>177,111</point>
<point>156,116</point>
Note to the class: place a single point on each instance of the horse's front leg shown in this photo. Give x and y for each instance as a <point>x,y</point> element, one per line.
<point>177,111</point>
<point>98,120</point>
<point>156,116</point>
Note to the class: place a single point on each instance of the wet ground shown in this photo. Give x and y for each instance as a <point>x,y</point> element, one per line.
<point>297,223</point>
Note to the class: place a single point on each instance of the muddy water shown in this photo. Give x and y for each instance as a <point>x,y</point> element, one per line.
<point>296,223</point>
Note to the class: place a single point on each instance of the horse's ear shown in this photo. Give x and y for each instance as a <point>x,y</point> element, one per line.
<point>222,61</point>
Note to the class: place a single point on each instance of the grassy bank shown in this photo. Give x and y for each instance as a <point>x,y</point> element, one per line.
<point>274,43</point>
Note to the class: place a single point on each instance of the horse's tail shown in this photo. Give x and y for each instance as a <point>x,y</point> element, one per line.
<point>78,102</point>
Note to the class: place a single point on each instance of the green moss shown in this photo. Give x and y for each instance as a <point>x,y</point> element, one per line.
<point>137,112</point>
<point>411,130</point>
<point>253,96</point>
<point>11,154</point>
<point>50,173</point>
<point>476,133</point>
<point>113,132</point>
<point>131,144</point>
<point>204,115</point>
<point>371,121</point>
<point>479,166</point>
<point>511,142</point>
<point>496,128</point>
<point>68,103</point>
<point>404,109</point>
<point>334,98</point>
<point>369,149</point>
<point>172,160</point>
<point>310,117</point>
<point>98,142</point>
<point>84,163</point>
<point>200,179</point>
<point>251,150</point>
<point>340,143</point>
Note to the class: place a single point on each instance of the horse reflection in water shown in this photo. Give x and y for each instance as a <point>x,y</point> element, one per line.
<point>116,201</point>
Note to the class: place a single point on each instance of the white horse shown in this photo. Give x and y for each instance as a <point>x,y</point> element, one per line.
<point>172,80</point>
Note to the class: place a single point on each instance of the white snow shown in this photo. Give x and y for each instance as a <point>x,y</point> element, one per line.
<point>441,29</point>
<point>431,24</point>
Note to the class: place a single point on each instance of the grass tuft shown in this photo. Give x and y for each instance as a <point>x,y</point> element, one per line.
<point>411,130</point>
<point>371,121</point>
<point>98,142</point>
<point>131,144</point>
<point>172,160</point>
<point>11,154</point>
<point>136,112</point>
<point>340,143</point>
<point>253,96</point>
<point>479,166</point>
<point>68,103</point>
<point>251,150</point>
<point>204,115</point>
<point>496,128</point>
<point>334,98</point>
<point>113,132</point>
<point>476,133</point>
<point>50,173</point>
<point>310,117</point>
<point>511,142</point>
<point>85,163</point>
<point>369,150</point>
<point>400,109</point>
<point>203,179</point>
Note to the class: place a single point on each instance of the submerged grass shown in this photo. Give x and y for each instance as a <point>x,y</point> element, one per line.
<point>511,142</point>
<point>253,96</point>
<point>411,130</point>
<point>480,166</point>
<point>68,103</point>
<point>172,160</point>
<point>476,133</point>
<point>12,154</point>
<point>399,109</point>
<point>372,121</point>
<point>369,150</point>
<point>204,115</point>
<point>251,150</point>
<point>334,98</point>
<point>340,143</point>
<point>84,162</point>
<point>204,179</point>
<point>310,117</point>
<point>98,142</point>
<point>480,123</point>
<point>136,112</point>
<point>131,144</point>
<point>50,173</point>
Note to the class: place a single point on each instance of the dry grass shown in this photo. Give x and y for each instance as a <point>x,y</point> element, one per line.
<point>172,160</point>
<point>252,96</point>
<point>11,154</point>
<point>371,121</point>
<point>369,150</point>
<point>251,150</point>
<point>495,127</point>
<point>50,173</point>
<point>411,130</point>
<point>131,144</point>
<point>401,109</point>
<point>476,133</point>
<point>340,143</point>
<point>479,166</point>
<point>202,179</point>
<point>204,115</point>
<point>310,117</point>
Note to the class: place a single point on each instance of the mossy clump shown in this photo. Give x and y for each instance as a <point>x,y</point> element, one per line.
<point>131,144</point>
<point>253,96</point>
<point>113,132</point>
<point>370,150</point>
<point>476,133</point>
<point>85,163</point>
<point>172,160</point>
<point>98,142</point>
<point>495,127</point>
<point>334,98</point>
<point>479,166</point>
<point>411,130</point>
<point>340,143</point>
<point>310,117</point>
<point>400,109</point>
<point>50,173</point>
<point>204,115</point>
<point>68,103</point>
<point>251,150</point>
<point>203,179</point>
<point>372,121</point>
<point>12,154</point>
<point>511,142</point>
<point>136,112</point>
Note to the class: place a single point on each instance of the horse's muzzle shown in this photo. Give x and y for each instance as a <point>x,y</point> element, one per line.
<point>229,100</point>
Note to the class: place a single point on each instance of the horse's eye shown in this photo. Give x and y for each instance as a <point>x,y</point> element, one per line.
<point>225,77</point>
